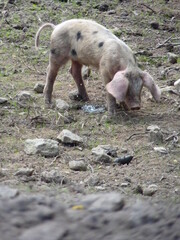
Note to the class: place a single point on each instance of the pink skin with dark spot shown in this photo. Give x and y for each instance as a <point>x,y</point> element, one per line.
<point>86,42</point>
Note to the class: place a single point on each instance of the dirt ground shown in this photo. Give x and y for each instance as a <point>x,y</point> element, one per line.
<point>21,67</point>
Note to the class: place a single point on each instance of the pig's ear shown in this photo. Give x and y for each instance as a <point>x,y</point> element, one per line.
<point>150,84</point>
<point>118,86</point>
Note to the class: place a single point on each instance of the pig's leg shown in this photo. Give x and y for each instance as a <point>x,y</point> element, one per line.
<point>111,101</point>
<point>54,64</point>
<point>76,73</point>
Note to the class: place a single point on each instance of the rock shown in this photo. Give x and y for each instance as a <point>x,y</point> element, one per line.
<point>150,190</point>
<point>75,96</point>
<point>105,149</point>
<point>153,128</point>
<point>49,230</point>
<point>78,165</point>
<point>53,176</point>
<point>156,136</point>
<point>68,137</point>
<point>168,89</point>
<point>104,202</point>
<point>154,25</point>
<point>177,85</point>
<point>44,147</point>
<point>24,97</point>
<point>125,184</point>
<point>172,57</point>
<point>92,181</point>
<point>62,105</point>
<point>111,12</point>
<point>39,87</point>
<point>161,150</point>
<point>86,72</point>
<point>104,153</point>
<point>6,192</point>
<point>24,172</point>
<point>103,158</point>
<point>103,7</point>
<point>3,100</point>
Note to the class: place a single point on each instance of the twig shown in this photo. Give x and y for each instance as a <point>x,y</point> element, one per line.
<point>134,134</point>
<point>143,4</point>
<point>163,44</point>
<point>92,169</point>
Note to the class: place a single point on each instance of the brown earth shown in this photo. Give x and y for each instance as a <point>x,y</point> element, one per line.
<point>21,67</point>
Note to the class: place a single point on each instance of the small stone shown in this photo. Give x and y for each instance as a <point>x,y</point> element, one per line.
<point>106,202</point>
<point>92,181</point>
<point>156,136</point>
<point>24,97</point>
<point>161,150</point>
<point>3,100</point>
<point>53,176</point>
<point>103,7</point>
<point>86,72</point>
<point>125,184</point>
<point>6,192</point>
<point>172,57</point>
<point>78,165</point>
<point>68,137</point>
<point>155,25</point>
<point>177,85</point>
<point>104,158</point>
<point>24,172</point>
<point>62,105</point>
<point>150,190</point>
<point>105,149</point>
<point>44,147</point>
<point>153,128</point>
<point>39,87</point>
<point>111,12</point>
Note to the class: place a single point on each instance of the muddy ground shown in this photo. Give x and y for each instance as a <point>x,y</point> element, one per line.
<point>143,25</point>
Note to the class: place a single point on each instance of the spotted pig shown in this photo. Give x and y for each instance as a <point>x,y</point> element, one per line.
<point>86,42</point>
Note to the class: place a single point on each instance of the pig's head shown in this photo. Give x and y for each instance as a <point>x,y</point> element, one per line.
<point>126,86</point>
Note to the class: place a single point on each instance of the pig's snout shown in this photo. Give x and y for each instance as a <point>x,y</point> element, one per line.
<point>133,105</point>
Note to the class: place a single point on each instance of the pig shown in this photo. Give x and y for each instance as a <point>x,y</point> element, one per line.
<point>86,42</point>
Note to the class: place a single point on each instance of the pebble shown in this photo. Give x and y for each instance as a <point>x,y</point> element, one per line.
<point>24,97</point>
<point>7,192</point>
<point>39,87</point>
<point>104,158</point>
<point>156,136</point>
<point>78,165</point>
<point>177,85</point>
<point>105,149</point>
<point>154,25</point>
<point>150,190</point>
<point>3,100</point>
<point>44,147</point>
<point>67,137</point>
<point>172,57</point>
<point>53,176</point>
<point>104,202</point>
<point>24,172</point>
<point>125,184</point>
<point>161,150</point>
<point>153,128</point>
<point>62,105</point>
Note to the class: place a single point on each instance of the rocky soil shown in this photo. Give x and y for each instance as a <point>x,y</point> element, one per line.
<point>53,159</point>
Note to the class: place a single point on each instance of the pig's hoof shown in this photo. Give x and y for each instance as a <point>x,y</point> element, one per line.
<point>49,105</point>
<point>75,96</point>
